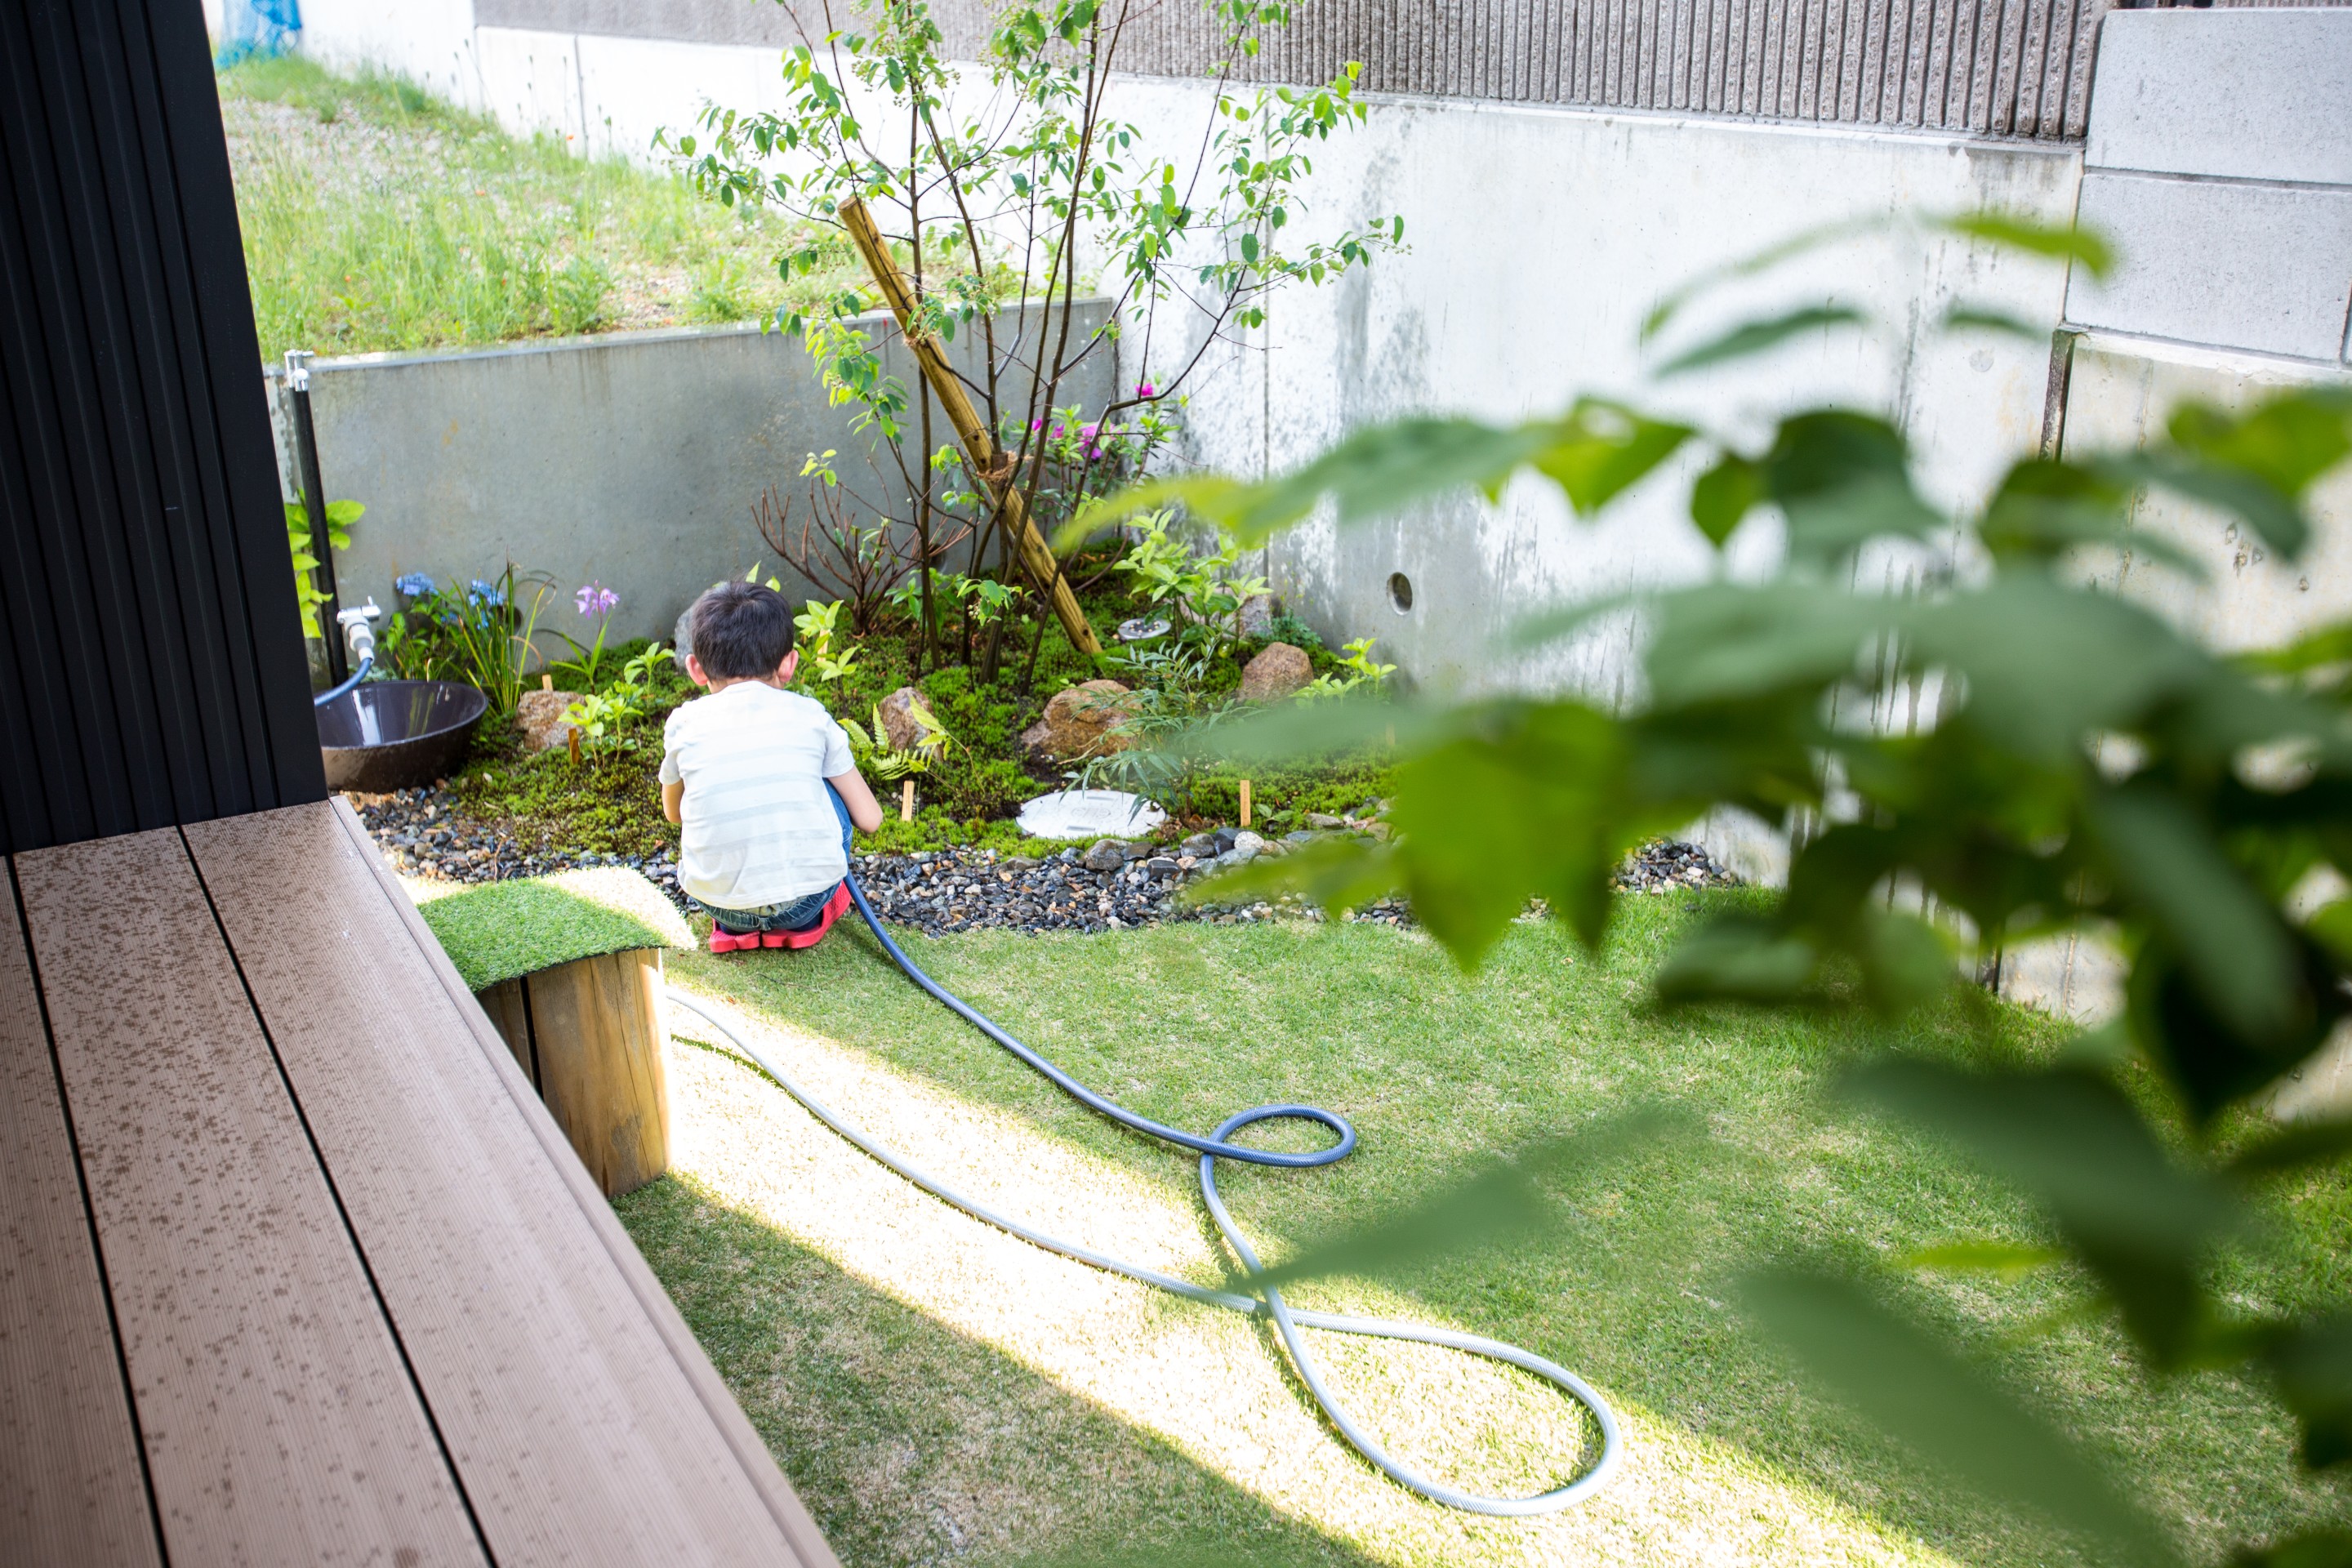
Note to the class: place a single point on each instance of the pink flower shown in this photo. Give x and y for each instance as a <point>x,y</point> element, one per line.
<point>595,600</point>
<point>1145,389</point>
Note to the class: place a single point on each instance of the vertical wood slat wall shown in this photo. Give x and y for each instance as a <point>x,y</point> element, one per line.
<point>1996,68</point>
<point>151,669</point>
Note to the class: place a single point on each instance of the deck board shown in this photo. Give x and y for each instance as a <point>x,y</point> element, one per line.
<point>586,1423</point>
<point>72,1491</point>
<point>278,1421</point>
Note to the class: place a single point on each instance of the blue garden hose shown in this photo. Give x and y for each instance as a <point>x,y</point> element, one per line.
<point>1268,1300</point>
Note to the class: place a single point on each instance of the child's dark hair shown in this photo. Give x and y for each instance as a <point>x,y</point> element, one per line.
<point>742,629</point>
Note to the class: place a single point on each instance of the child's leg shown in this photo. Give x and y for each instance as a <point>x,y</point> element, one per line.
<point>841,810</point>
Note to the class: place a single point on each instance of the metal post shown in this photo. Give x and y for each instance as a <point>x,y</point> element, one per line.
<point>314,504</point>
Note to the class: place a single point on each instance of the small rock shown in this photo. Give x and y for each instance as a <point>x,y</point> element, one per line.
<point>1300,837</point>
<point>1200,845</point>
<point>1107,854</point>
<point>1079,721</point>
<point>1257,613</point>
<point>1161,865</point>
<point>539,716</point>
<point>1324,820</point>
<point>1278,671</point>
<point>1225,836</point>
<point>900,729</point>
<point>1245,839</point>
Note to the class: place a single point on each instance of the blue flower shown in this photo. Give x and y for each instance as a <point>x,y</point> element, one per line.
<point>480,593</point>
<point>415,585</point>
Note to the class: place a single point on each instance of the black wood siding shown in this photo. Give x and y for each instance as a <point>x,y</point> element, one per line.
<point>153,662</point>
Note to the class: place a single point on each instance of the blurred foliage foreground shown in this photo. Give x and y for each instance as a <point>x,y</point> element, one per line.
<point>2076,765</point>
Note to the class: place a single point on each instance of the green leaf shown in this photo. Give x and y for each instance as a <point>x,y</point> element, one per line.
<point>2141,1222</point>
<point>1375,472</point>
<point>1722,497</point>
<point>1966,318</point>
<point>2303,1144</point>
<point>1527,805</point>
<point>1843,478</point>
<point>2312,1549</point>
<point>1335,874</point>
<point>1920,1392</point>
<point>2274,516</point>
<point>2313,1364</point>
<point>2062,242</point>
<point>1763,260</point>
<point>2287,442</point>
<point>343,513</point>
<point>1751,338</point>
<point>1737,958</point>
<point>1601,449</point>
<point>2048,663</point>
<point>2229,937</point>
<point>2207,1058</point>
<point>1506,1199</point>
<point>1721,642</point>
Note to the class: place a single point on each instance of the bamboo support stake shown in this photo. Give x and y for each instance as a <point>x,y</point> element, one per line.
<point>979,446</point>
<point>907,801</point>
<point>1245,803</point>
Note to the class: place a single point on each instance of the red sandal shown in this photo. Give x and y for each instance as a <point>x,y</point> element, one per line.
<point>834,907</point>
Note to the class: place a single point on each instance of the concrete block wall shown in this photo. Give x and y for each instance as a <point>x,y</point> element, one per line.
<point>631,459</point>
<point>2220,162</point>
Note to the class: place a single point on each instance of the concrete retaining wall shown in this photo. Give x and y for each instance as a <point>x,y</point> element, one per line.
<point>631,459</point>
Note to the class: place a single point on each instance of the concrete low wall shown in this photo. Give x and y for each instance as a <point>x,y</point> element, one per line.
<point>631,460</point>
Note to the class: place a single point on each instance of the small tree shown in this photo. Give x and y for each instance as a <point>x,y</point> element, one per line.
<point>999,204</point>
<point>2077,763</point>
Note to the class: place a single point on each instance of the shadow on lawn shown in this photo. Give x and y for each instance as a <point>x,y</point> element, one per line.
<point>911,1442</point>
<point>1437,1067</point>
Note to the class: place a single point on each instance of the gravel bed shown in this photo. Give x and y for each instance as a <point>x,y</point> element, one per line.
<point>1105,887</point>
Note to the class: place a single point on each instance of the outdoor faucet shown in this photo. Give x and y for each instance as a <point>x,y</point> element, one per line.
<point>358,632</point>
<point>359,629</point>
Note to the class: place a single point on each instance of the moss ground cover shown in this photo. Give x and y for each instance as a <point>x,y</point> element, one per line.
<point>934,1387</point>
<point>603,805</point>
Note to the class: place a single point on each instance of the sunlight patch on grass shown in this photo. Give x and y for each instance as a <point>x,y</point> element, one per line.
<point>1210,1383</point>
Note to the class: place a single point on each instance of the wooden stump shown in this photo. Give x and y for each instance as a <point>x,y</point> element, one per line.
<point>589,1034</point>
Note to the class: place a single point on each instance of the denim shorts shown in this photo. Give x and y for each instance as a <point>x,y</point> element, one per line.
<point>792,914</point>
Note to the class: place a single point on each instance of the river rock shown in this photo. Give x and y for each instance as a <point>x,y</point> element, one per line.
<point>1078,722</point>
<point>539,716</point>
<point>1278,671</point>
<point>1107,854</point>
<point>900,730</point>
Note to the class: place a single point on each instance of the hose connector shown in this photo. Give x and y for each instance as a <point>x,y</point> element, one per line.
<point>359,628</point>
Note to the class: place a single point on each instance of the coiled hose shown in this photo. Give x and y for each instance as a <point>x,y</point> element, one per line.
<point>1268,1301</point>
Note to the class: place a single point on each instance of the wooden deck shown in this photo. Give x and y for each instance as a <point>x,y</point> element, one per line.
<point>297,1268</point>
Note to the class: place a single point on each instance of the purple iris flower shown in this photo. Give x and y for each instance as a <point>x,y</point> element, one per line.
<point>595,600</point>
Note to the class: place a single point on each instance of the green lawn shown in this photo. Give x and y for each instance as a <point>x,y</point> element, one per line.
<point>378,219</point>
<point>935,1388</point>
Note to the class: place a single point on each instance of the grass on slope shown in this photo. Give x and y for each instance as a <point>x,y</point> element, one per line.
<point>378,219</point>
<point>934,1387</point>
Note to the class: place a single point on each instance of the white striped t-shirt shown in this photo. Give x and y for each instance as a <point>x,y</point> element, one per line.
<point>759,826</point>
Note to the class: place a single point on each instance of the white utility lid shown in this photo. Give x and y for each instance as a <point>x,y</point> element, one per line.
<point>1090,813</point>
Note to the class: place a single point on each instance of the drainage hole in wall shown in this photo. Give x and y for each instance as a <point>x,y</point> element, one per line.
<point>1399,592</point>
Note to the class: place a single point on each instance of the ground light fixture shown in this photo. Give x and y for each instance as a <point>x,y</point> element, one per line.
<point>1267,1301</point>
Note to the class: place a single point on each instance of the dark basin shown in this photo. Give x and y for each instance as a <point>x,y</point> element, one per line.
<point>396,734</point>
